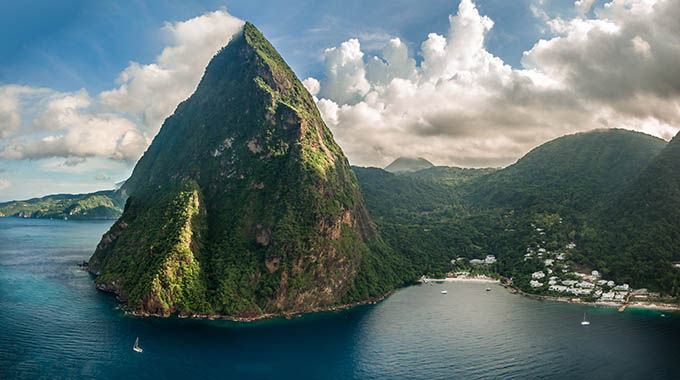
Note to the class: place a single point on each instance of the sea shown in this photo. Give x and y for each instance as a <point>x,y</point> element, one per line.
<point>54,324</point>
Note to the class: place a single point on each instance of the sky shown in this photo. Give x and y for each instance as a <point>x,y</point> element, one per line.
<point>85,86</point>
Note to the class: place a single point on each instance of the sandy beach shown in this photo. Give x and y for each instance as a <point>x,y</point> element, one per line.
<point>482,279</point>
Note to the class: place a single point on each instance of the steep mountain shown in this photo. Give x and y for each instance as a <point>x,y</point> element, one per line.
<point>571,173</point>
<point>407,164</point>
<point>244,205</point>
<point>637,233</point>
<point>98,205</point>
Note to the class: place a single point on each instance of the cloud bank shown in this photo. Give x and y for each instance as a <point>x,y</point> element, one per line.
<point>119,123</point>
<point>463,106</point>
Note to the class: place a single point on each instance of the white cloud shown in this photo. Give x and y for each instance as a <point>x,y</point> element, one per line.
<point>119,123</point>
<point>312,85</point>
<point>4,184</point>
<point>346,76</point>
<point>463,106</point>
<point>151,92</point>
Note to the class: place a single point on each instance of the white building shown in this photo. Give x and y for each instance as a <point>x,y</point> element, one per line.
<point>623,287</point>
<point>585,285</point>
<point>537,275</point>
<point>578,291</point>
<point>610,283</point>
<point>602,282</point>
<point>569,282</point>
<point>608,296</point>
<point>552,282</point>
<point>571,245</point>
<point>542,250</point>
<point>561,256</point>
<point>558,288</point>
<point>595,273</point>
<point>476,262</point>
<point>490,259</point>
<point>535,284</point>
<point>549,262</point>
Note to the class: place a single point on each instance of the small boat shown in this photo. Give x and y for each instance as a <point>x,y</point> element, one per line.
<point>136,346</point>
<point>488,289</point>
<point>444,292</point>
<point>584,322</point>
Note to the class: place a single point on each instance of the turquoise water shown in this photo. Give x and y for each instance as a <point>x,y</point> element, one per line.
<point>55,324</point>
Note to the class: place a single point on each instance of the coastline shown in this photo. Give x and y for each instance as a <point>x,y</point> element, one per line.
<point>618,305</point>
<point>662,306</point>
<point>287,315</point>
<point>479,279</point>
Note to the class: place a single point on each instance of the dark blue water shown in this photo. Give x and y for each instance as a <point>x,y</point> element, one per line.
<point>55,324</point>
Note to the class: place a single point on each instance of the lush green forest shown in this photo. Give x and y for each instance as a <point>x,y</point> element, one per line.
<point>99,205</point>
<point>614,193</point>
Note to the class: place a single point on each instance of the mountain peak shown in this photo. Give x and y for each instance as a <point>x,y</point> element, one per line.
<point>244,204</point>
<point>408,164</point>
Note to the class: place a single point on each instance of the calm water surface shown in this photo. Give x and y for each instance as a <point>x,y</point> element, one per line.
<point>55,324</point>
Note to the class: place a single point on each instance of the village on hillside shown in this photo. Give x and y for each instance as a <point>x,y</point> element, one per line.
<point>560,278</point>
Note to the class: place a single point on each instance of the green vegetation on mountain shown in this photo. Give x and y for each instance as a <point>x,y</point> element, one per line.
<point>449,175</point>
<point>99,205</point>
<point>613,192</point>
<point>407,164</point>
<point>244,205</point>
<point>637,233</point>
<point>569,174</point>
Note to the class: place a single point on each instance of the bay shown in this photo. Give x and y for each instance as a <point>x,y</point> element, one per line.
<point>55,324</point>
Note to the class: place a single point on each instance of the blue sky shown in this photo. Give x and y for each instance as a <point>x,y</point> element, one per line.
<point>73,44</point>
<point>76,50</point>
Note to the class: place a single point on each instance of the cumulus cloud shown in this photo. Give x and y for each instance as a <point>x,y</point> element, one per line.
<point>151,92</point>
<point>463,106</point>
<point>119,123</point>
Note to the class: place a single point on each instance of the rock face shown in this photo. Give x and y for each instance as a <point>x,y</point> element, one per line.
<point>244,205</point>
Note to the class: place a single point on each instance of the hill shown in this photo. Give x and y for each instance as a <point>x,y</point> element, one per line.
<point>570,174</point>
<point>244,205</point>
<point>407,164</point>
<point>98,205</point>
<point>448,174</point>
<point>636,235</point>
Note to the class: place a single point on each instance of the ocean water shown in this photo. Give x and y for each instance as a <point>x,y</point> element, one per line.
<point>55,324</point>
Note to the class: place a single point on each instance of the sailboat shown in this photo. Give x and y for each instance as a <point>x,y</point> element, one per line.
<point>136,346</point>
<point>584,322</point>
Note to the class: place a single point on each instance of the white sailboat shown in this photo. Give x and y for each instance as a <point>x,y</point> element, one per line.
<point>444,292</point>
<point>136,346</point>
<point>584,322</point>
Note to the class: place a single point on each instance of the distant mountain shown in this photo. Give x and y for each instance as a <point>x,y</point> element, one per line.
<point>448,174</point>
<point>637,233</point>
<point>406,164</point>
<point>98,205</point>
<point>244,205</point>
<point>570,173</point>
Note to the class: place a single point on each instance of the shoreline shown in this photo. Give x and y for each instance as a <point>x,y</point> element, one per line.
<point>478,279</point>
<point>625,305</point>
<point>212,317</point>
<point>662,306</point>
